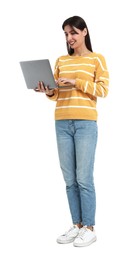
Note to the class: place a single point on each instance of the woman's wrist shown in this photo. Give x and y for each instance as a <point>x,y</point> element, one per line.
<point>50,95</point>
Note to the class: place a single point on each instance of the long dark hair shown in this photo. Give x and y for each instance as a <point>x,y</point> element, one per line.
<point>79,23</point>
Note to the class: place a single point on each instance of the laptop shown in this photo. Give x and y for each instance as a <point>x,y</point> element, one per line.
<point>38,70</point>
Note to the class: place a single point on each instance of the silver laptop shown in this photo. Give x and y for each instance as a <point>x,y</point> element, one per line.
<point>38,70</point>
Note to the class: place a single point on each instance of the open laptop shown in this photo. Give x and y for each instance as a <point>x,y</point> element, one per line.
<point>38,70</point>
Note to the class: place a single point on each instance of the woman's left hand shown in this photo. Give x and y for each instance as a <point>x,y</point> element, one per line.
<point>66,81</point>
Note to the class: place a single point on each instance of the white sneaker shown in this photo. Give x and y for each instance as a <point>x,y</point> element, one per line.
<point>85,237</point>
<point>69,236</point>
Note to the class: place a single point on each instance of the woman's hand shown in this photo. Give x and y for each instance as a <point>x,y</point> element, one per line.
<point>66,81</point>
<point>44,89</point>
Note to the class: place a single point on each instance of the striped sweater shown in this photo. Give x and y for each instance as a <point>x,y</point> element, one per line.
<point>92,79</point>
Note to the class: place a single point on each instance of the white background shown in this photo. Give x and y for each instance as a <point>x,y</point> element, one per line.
<point>33,204</point>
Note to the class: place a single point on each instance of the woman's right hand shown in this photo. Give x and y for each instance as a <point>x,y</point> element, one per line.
<point>44,89</point>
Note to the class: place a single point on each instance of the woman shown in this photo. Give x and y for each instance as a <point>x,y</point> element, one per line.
<point>84,76</point>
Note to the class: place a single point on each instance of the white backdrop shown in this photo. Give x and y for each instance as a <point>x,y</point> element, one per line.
<point>33,204</point>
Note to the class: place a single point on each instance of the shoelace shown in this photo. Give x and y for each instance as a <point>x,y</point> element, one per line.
<point>67,232</point>
<point>82,232</point>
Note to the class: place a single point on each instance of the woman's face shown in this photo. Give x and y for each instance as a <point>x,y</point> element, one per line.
<point>75,37</point>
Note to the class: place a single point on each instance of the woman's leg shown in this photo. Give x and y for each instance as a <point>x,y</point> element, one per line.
<point>67,157</point>
<point>85,145</point>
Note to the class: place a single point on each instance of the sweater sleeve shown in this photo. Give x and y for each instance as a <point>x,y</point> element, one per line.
<point>56,76</point>
<point>98,87</point>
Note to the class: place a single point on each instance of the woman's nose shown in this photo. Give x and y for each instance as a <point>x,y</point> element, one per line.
<point>69,37</point>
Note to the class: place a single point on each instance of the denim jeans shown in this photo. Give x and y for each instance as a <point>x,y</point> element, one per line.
<point>76,142</point>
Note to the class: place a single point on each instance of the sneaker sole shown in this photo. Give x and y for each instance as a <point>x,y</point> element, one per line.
<point>85,244</point>
<point>65,242</point>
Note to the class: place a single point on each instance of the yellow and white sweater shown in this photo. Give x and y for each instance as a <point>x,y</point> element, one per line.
<point>92,80</point>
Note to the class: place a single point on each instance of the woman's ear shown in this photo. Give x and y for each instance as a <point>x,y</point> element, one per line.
<point>85,32</point>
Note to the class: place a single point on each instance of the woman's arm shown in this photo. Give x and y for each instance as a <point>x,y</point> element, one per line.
<point>99,87</point>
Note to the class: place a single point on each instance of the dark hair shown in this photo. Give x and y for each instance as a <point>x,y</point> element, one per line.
<point>79,23</point>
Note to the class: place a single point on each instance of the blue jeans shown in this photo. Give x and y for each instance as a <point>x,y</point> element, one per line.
<point>76,141</point>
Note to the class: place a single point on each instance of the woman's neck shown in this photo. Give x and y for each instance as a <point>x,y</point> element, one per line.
<point>81,52</point>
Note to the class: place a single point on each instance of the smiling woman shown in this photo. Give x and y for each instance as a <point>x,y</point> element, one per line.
<point>76,125</point>
<point>76,31</point>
